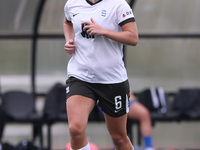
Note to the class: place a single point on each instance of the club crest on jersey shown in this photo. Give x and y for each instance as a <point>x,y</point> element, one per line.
<point>103,13</point>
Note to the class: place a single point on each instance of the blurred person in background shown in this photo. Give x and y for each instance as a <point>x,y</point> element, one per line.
<point>139,112</point>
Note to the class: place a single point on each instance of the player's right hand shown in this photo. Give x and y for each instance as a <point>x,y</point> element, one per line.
<point>70,47</point>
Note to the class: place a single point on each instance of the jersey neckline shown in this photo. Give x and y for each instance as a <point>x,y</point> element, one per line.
<point>89,2</point>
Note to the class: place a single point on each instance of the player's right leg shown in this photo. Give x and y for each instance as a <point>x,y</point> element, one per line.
<point>80,102</point>
<point>78,110</point>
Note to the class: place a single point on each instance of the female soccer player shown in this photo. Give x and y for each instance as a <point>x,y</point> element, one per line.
<point>95,31</point>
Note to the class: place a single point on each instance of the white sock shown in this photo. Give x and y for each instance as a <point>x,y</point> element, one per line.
<point>87,147</point>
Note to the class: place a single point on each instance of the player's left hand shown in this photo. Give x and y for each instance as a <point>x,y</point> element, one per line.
<point>92,28</point>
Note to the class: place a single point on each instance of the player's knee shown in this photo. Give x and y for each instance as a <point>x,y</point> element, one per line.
<point>146,114</point>
<point>118,140</point>
<point>75,131</point>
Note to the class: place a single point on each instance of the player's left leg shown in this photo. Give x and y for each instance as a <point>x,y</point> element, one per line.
<point>117,129</point>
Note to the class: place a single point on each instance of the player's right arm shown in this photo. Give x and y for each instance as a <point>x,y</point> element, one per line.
<point>70,47</point>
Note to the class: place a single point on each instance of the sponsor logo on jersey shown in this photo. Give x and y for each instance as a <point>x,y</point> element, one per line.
<point>84,33</point>
<point>127,13</point>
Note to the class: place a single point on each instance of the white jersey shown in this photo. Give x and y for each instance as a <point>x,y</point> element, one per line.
<point>98,59</point>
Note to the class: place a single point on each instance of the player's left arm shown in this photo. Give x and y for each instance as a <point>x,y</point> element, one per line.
<point>128,35</point>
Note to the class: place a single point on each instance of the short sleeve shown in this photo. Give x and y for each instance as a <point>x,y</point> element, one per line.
<point>124,13</point>
<point>66,11</point>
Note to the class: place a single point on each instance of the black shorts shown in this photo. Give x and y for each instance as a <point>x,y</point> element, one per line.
<point>112,98</point>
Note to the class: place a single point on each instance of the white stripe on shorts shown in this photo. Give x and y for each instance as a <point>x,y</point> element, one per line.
<point>127,104</point>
